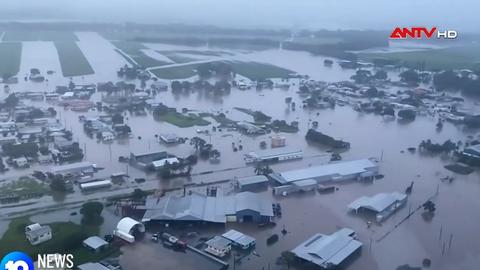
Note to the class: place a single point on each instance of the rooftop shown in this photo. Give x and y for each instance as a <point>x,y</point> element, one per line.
<point>378,202</point>
<point>328,250</point>
<point>239,237</point>
<point>336,169</point>
<point>95,242</point>
<point>199,207</point>
<point>218,242</point>
<point>256,179</point>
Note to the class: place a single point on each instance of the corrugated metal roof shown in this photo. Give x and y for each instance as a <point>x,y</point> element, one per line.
<point>256,179</point>
<point>328,250</point>
<point>239,238</point>
<point>196,207</point>
<point>378,202</point>
<point>332,169</point>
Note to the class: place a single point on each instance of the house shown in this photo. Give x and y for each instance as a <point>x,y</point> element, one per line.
<point>127,228</point>
<point>169,138</point>
<point>252,183</point>
<point>250,128</point>
<point>37,233</point>
<point>329,251</point>
<point>44,159</point>
<point>196,207</point>
<point>382,204</point>
<point>278,141</point>
<point>68,95</point>
<point>92,266</point>
<point>361,169</point>
<point>95,244</point>
<point>20,162</point>
<point>239,239</point>
<point>142,159</point>
<point>218,246</point>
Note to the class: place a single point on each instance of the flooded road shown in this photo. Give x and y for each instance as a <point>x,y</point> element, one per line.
<point>457,202</point>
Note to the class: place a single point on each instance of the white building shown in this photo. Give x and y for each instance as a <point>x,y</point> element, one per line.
<point>218,246</point>
<point>383,204</point>
<point>37,233</point>
<point>95,243</point>
<point>239,239</point>
<point>158,164</point>
<point>127,228</point>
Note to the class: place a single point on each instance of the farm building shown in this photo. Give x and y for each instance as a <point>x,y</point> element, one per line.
<point>195,207</point>
<point>252,183</point>
<point>382,204</point>
<point>338,171</point>
<point>329,251</point>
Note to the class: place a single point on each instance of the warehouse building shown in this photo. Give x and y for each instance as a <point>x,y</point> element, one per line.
<point>273,155</point>
<point>195,207</point>
<point>329,251</point>
<point>362,169</point>
<point>382,204</point>
<point>74,168</point>
<point>252,183</point>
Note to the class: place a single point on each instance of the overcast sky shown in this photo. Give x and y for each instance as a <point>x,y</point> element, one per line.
<point>292,14</point>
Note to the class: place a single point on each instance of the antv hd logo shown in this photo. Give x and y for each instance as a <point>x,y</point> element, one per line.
<point>20,261</point>
<point>422,32</point>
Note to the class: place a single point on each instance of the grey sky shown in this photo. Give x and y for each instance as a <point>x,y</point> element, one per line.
<point>292,14</point>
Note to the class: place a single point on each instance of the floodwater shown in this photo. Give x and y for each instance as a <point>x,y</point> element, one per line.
<point>457,202</point>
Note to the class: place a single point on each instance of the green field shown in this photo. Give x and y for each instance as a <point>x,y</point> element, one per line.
<point>10,57</point>
<point>181,120</point>
<point>133,49</point>
<point>448,58</point>
<point>39,36</point>
<point>72,60</point>
<point>259,71</point>
<point>175,73</point>
<point>251,70</point>
<point>67,237</point>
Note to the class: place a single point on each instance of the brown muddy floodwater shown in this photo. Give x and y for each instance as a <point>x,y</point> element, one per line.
<point>457,216</point>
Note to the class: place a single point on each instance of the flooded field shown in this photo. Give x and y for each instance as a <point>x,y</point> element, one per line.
<point>447,239</point>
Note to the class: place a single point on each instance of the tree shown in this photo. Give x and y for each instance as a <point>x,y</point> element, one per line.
<point>410,76</point>
<point>407,114</point>
<point>117,118</point>
<point>58,183</point>
<point>92,212</point>
<point>11,101</point>
<point>197,142</point>
<point>381,75</point>
<point>288,257</point>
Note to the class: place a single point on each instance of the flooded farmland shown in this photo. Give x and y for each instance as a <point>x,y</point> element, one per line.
<point>445,239</point>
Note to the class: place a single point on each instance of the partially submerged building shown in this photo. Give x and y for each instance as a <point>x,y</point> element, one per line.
<point>382,205</point>
<point>74,168</point>
<point>361,169</point>
<point>252,183</point>
<point>273,155</point>
<point>195,207</point>
<point>239,239</point>
<point>329,251</point>
<point>218,246</point>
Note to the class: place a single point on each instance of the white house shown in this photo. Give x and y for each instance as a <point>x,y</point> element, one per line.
<point>37,233</point>
<point>218,246</point>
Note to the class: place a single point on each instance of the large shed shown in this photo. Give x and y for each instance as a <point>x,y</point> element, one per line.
<point>127,228</point>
